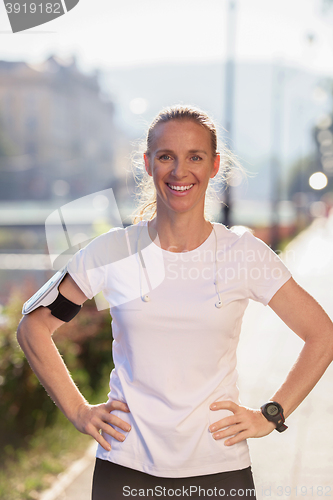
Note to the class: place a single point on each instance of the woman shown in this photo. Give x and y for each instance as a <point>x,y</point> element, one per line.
<point>173,425</point>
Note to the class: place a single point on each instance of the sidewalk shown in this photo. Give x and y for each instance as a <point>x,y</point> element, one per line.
<point>299,462</point>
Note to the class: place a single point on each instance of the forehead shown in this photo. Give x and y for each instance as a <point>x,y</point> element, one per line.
<point>185,134</point>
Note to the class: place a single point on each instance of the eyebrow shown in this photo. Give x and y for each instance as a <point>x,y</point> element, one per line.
<point>159,151</point>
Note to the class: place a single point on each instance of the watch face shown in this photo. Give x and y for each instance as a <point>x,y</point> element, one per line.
<point>272,410</point>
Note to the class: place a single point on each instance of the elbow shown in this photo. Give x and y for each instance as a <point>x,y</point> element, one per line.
<point>21,332</point>
<point>330,346</point>
<point>36,326</point>
<point>323,345</point>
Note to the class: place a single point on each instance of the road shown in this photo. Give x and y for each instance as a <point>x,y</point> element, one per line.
<point>297,464</point>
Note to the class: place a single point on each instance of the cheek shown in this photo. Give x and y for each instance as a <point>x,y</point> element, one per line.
<point>158,173</point>
<point>156,179</point>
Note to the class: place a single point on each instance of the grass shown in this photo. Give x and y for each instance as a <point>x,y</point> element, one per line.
<point>32,468</point>
<point>29,470</point>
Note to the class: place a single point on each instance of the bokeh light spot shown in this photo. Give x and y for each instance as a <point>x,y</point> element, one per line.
<point>318,180</point>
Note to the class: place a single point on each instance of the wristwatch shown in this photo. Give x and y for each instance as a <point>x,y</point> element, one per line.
<point>274,413</point>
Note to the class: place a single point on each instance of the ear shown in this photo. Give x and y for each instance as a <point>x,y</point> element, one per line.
<point>216,166</point>
<point>147,164</point>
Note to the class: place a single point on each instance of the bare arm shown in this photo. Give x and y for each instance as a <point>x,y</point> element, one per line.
<point>34,335</point>
<point>310,322</point>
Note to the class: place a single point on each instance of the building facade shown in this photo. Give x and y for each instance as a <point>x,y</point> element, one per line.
<point>57,133</point>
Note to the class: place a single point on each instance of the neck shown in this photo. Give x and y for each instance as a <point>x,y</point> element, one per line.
<point>180,234</point>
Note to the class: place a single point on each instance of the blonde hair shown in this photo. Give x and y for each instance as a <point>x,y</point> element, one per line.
<point>146,193</point>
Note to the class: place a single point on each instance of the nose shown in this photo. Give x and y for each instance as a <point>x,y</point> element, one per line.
<point>179,169</point>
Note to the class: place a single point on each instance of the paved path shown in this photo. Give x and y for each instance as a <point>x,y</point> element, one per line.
<point>297,464</point>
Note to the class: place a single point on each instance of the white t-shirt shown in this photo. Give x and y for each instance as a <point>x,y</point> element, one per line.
<point>175,354</point>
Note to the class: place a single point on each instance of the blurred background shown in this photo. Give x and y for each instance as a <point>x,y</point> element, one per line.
<point>77,95</point>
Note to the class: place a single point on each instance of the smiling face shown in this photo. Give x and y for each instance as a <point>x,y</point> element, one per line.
<point>181,162</point>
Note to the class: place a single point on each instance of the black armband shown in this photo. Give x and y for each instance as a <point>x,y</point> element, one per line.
<point>63,308</point>
<point>49,296</point>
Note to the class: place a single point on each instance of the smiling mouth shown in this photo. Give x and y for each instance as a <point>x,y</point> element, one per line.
<point>180,188</point>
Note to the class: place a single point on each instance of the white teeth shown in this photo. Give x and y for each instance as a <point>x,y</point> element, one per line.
<point>180,188</point>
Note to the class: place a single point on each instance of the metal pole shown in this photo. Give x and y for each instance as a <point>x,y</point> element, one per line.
<point>275,164</point>
<point>229,100</point>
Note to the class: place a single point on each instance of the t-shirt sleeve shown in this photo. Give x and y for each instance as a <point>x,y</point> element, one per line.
<point>266,273</point>
<point>91,266</point>
<point>87,267</point>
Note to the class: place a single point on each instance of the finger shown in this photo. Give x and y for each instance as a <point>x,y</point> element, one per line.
<point>100,439</point>
<point>224,405</point>
<point>116,405</point>
<point>108,429</point>
<point>241,436</point>
<point>231,431</point>
<point>224,422</point>
<point>93,431</point>
<point>118,422</point>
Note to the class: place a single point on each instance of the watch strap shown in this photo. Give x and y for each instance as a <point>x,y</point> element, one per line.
<point>282,427</point>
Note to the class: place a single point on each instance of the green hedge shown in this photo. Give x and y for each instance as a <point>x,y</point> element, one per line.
<point>85,344</point>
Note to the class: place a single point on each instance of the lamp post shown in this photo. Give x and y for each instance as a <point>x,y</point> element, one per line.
<point>229,101</point>
<point>276,146</point>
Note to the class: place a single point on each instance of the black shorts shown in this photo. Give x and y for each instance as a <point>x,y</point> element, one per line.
<point>115,482</point>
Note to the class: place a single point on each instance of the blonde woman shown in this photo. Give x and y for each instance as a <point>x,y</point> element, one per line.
<point>173,424</point>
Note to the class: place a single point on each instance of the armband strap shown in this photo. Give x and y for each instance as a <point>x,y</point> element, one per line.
<point>49,296</point>
<point>63,308</point>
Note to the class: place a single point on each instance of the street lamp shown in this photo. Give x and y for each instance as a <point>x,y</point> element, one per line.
<point>318,181</point>
<point>278,81</point>
<point>229,101</point>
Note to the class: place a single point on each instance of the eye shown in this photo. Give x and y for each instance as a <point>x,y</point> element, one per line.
<point>196,158</point>
<point>165,157</point>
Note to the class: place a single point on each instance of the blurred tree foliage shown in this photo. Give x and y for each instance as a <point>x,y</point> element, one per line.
<point>85,344</point>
